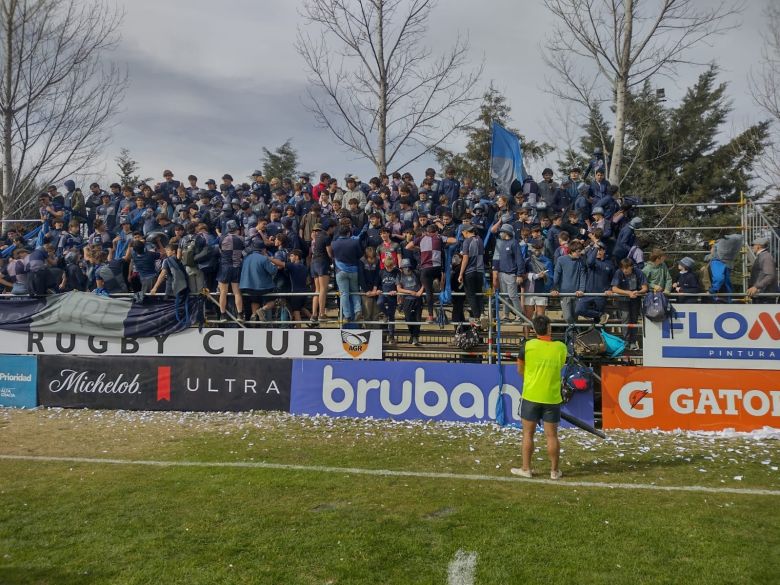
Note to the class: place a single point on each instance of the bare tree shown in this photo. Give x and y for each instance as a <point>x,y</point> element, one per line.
<point>376,85</point>
<point>57,100</point>
<point>624,43</point>
<point>765,88</point>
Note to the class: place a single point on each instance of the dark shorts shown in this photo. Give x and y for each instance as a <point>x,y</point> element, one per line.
<point>320,268</point>
<point>257,296</point>
<point>536,411</point>
<point>296,303</point>
<point>228,274</point>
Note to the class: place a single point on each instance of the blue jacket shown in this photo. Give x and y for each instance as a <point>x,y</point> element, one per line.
<point>569,275</point>
<point>347,252</point>
<point>508,258</point>
<point>598,277</point>
<point>625,239</point>
<point>450,188</point>
<point>608,203</point>
<point>257,272</point>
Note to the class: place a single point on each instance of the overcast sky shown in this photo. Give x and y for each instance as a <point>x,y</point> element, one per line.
<point>211,83</point>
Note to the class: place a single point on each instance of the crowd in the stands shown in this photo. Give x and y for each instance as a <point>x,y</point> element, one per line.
<point>393,243</point>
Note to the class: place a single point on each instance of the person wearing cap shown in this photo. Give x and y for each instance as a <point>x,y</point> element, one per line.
<point>261,186</point>
<point>257,278</point>
<point>600,222</point>
<point>231,248</point>
<point>597,163</point>
<point>227,188</point>
<point>763,273</point>
<point>192,189</point>
<point>687,281</point>
<point>626,239</point>
<point>722,256</point>
<point>508,268</point>
<point>304,180</point>
<point>211,188</point>
<point>321,255</point>
<point>472,270</point>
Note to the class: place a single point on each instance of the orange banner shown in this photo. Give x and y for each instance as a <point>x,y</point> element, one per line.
<point>690,399</point>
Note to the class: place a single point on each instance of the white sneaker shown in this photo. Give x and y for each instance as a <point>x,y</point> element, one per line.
<point>521,472</point>
<point>556,474</point>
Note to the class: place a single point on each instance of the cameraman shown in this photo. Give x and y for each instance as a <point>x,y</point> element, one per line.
<point>539,363</point>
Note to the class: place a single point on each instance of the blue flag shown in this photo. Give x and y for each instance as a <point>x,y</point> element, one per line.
<point>506,158</point>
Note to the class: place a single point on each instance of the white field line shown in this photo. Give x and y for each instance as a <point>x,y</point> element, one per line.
<point>462,568</point>
<point>396,473</point>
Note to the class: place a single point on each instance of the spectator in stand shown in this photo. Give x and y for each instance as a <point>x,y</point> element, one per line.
<point>411,290</point>
<point>626,239</point>
<point>597,164</point>
<point>472,270</point>
<point>321,254</point>
<point>569,277</point>
<point>388,299</point>
<point>231,248</point>
<point>763,273</point>
<point>598,279</point>
<point>630,283</point>
<point>144,263</point>
<point>599,188</point>
<point>539,275</point>
<point>173,275</point>
<point>431,246</point>
<point>370,285</point>
<point>508,269</point>
<point>721,257</point>
<point>450,186</point>
<point>657,273</point>
<point>257,279</point>
<point>548,191</point>
<point>687,282</point>
<point>347,253</point>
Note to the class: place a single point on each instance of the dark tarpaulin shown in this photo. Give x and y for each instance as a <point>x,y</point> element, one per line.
<point>153,316</point>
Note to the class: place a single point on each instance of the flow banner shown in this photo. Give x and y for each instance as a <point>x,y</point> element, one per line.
<point>18,381</point>
<point>715,336</point>
<point>228,384</point>
<point>413,390</point>
<point>704,400</point>
<point>262,343</point>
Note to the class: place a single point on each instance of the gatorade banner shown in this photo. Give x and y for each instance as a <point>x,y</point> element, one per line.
<point>691,399</point>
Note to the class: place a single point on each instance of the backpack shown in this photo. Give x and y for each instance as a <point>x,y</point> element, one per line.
<point>589,343</point>
<point>575,378</point>
<point>614,345</point>
<point>466,336</point>
<point>705,277</point>
<point>656,307</point>
<point>188,255</point>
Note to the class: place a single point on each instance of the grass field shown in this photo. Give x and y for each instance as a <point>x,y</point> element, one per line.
<point>68,522</point>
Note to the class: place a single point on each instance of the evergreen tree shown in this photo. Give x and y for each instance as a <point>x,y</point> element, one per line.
<point>280,163</point>
<point>475,161</point>
<point>128,168</point>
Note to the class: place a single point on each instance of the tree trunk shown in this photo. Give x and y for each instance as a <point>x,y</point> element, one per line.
<point>621,87</point>
<point>381,166</point>
<point>620,132</point>
<point>7,116</point>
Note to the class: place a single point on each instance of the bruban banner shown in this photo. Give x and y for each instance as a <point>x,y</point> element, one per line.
<point>228,384</point>
<point>259,343</point>
<point>413,391</point>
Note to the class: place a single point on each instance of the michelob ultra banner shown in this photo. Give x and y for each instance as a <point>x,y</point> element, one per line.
<point>715,336</point>
<point>690,399</point>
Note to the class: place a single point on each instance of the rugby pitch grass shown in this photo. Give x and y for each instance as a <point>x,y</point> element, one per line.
<point>270,498</point>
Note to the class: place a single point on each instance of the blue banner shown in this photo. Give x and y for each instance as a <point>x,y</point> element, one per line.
<point>506,158</point>
<point>413,391</point>
<point>18,381</point>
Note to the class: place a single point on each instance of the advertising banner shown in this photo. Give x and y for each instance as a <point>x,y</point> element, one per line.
<point>262,343</point>
<point>228,384</point>
<point>18,375</point>
<point>413,391</point>
<point>704,400</point>
<point>715,336</point>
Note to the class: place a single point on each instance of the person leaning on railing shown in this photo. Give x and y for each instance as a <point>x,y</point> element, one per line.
<point>630,283</point>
